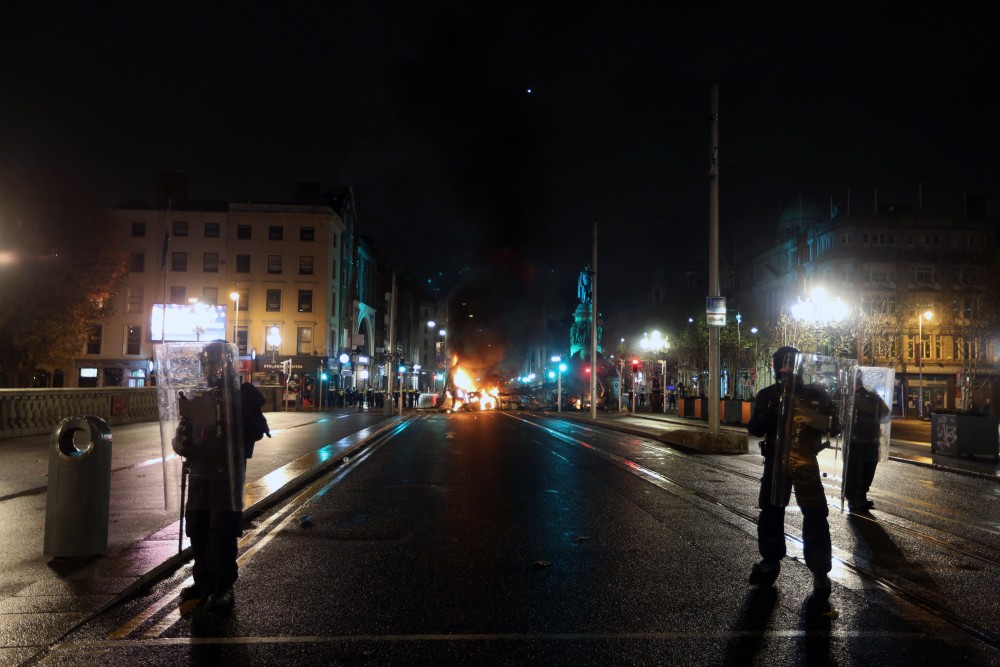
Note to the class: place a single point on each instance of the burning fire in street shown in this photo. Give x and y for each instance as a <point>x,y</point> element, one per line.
<point>466,395</point>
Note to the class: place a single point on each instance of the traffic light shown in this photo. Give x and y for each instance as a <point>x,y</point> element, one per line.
<point>635,367</point>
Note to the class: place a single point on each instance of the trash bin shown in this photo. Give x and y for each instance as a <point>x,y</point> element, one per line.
<point>79,489</point>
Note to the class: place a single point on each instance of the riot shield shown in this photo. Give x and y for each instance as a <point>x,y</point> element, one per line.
<point>198,394</point>
<point>814,414</point>
<point>871,420</point>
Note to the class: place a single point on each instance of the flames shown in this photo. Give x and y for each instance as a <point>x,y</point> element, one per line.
<point>467,394</point>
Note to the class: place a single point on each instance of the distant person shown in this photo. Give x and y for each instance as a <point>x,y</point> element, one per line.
<point>870,412</point>
<point>803,434</point>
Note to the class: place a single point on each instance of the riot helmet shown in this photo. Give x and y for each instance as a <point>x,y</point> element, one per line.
<point>780,361</point>
<point>215,361</point>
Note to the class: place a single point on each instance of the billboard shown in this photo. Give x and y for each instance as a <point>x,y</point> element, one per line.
<point>187,322</point>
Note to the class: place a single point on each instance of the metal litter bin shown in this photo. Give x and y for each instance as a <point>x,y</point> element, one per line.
<point>79,489</point>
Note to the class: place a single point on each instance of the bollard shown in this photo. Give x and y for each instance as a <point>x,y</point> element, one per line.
<point>79,489</point>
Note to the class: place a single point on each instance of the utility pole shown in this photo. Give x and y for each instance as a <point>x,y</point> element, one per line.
<point>593,330</point>
<point>713,272</point>
<point>390,354</point>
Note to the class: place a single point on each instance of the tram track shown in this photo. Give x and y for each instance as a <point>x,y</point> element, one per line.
<point>899,587</point>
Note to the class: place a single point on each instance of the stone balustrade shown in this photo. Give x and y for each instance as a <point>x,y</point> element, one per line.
<point>37,411</point>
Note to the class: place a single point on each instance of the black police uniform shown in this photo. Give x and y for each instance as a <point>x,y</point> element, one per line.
<point>804,476</point>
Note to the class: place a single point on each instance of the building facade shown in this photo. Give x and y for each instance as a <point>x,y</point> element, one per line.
<point>920,291</point>
<point>264,275</point>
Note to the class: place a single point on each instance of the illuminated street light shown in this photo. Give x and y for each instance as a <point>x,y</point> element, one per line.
<point>236,324</point>
<point>556,359</point>
<point>927,314</point>
<point>274,340</point>
<point>819,310</point>
<point>654,344</point>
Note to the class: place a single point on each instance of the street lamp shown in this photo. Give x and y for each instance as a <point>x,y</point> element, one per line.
<point>654,344</point>
<point>274,340</point>
<point>560,367</point>
<point>236,324</point>
<point>927,314</point>
<point>819,309</point>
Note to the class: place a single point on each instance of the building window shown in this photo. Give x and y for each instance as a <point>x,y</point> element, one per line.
<point>878,239</point>
<point>211,230</point>
<point>178,261</point>
<point>210,295</point>
<point>139,229</point>
<point>210,264</point>
<point>133,340</point>
<point>178,294</point>
<point>924,275</point>
<point>305,300</point>
<point>137,262</point>
<point>275,232</point>
<point>274,263</point>
<point>133,299</point>
<point>273,301</point>
<point>242,263</point>
<point>244,232</point>
<point>304,340</point>
<point>306,265</point>
<point>180,228</point>
<point>307,234</point>
<point>94,339</point>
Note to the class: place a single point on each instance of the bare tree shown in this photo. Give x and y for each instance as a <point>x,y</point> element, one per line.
<point>977,324</point>
<point>876,329</point>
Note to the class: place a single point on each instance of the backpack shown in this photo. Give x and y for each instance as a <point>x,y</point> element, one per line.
<point>255,424</point>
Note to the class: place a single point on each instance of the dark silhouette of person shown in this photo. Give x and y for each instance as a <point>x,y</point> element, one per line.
<point>220,422</point>
<point>807,420</point>
<point>870,412</point>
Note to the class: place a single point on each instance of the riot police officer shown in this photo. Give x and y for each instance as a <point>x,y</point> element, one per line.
<point>802,424</point>
<point>220,419</point>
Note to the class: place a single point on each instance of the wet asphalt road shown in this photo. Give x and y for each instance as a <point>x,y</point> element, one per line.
<point>511,539</point>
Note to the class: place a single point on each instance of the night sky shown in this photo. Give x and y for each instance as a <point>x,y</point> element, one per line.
<point>492,136</point>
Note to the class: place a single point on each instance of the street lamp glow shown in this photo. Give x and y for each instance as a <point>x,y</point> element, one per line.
<point>926,315</point>
<point>431,324</point>
<point>274,340</point>
<point>235,296</point>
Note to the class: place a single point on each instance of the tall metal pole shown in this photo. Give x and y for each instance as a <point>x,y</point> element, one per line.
<point>713,272</point>
<point>392,349</point>
<point>920,364</point>
<point>593,331</point>
<point>559,387</point>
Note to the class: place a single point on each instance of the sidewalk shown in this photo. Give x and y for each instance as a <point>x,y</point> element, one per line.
<point>42,598</point>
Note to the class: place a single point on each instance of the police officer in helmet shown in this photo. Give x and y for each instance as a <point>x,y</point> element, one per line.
<point>802,472</point>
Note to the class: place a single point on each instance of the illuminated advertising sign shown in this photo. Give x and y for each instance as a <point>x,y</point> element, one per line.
<point>190,322</point>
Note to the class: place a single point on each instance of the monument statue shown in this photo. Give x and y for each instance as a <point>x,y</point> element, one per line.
<point>583,286</point>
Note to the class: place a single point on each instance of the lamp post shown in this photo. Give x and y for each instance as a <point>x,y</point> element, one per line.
<point>560,367</point>
<point>756,360</point>
<point>274,340</point>
<point>654,344</point>
<point>236,324</point>
<point>927,314</point>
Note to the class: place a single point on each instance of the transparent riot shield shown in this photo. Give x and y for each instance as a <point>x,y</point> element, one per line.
<point>814,414</point>
<point>871,420</point>
<point>198,394</point>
